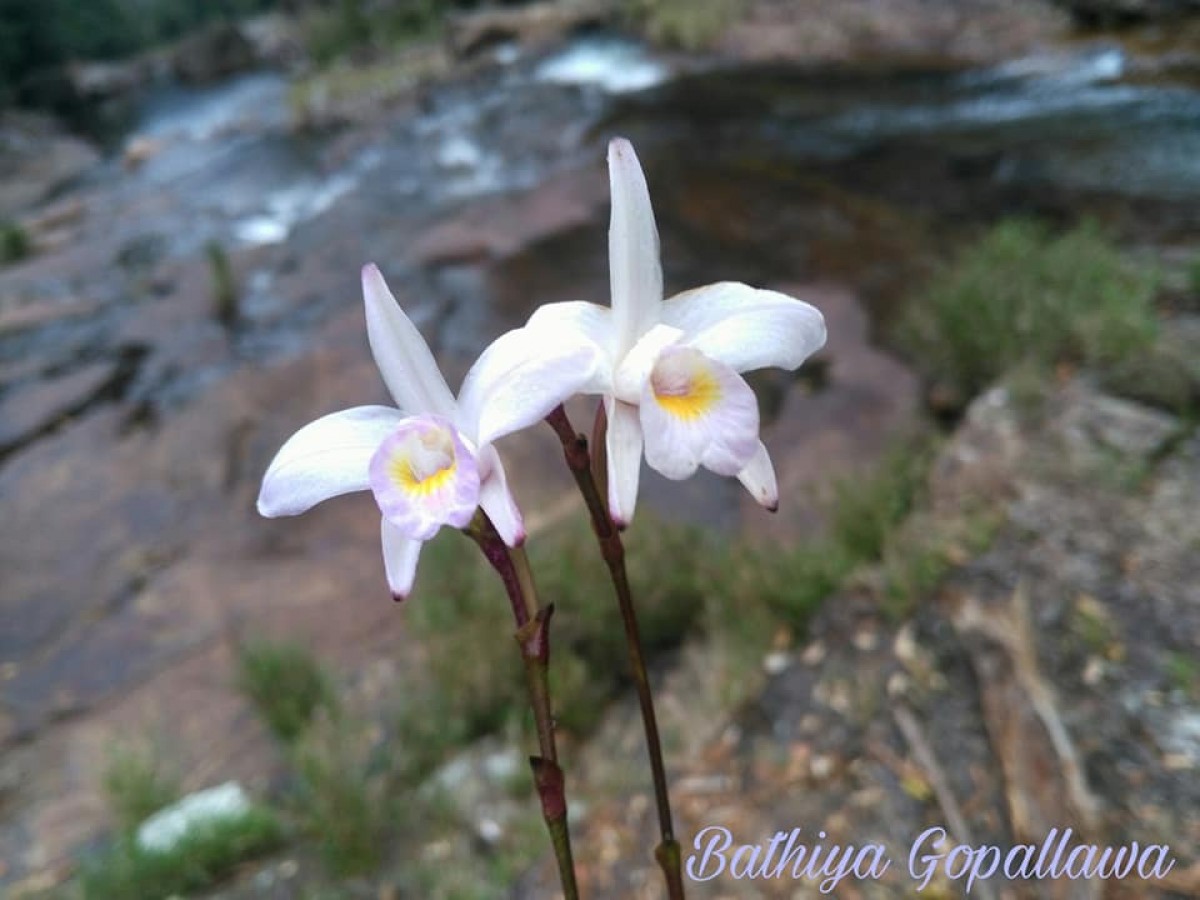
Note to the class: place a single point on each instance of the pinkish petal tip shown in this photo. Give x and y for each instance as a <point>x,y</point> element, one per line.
<point>619,145</point>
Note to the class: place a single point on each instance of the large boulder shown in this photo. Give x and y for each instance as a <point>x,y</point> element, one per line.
<point>214,52</point>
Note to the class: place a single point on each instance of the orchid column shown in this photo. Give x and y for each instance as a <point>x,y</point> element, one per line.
<point>671,389</point>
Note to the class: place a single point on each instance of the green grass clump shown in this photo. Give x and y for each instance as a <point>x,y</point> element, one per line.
<point>1183,674</point>
<point>14,243</point>
<point>137,786</point>
<point>1193,276</point>
<point>286,684</point>
<point>226,296</point>
<point>342,796</point>
<point>866,510</point>
<point>1024,293</point>
<point>684,24</point>
<point>464,623</point>
<point>203,857</point>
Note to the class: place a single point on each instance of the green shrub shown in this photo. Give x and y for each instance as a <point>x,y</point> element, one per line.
<point>226,296</point>
<point>203,857</point>
<point>14,243</point>
<point>286,684</point>
<point>684,24</point>
<point>137,785</point>
<point>341,797</point>
<point>1024,293</point>
<point>867,509</point>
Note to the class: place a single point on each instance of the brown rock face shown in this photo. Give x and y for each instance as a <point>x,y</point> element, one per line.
<point>894,31</point>
<point>29,413</point>
<point>1031,691</point>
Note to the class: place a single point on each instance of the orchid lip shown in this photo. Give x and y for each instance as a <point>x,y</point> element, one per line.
<point>424,475</point>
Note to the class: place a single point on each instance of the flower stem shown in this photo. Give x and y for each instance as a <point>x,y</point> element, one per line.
<point>533,639</point>
<point>575,450</point>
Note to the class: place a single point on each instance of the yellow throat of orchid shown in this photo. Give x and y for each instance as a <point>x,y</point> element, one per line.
<point>685,386</point>
<point>426,464</point>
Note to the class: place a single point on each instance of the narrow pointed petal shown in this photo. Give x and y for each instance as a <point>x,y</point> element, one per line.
<point>408,368</point>
<point>759,479</point>
<point>635,269</point>
<point>324,459</point>
<point>588,320</point>
<point>747,328</point>
<point>400,555</point>
<point>697,412</point>
<point>624,448</point>
<point>520,377</point>
<point>497,500</point>
<point>424,476</point>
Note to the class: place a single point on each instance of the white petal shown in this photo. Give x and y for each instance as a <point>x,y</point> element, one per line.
<point>747,328</point>
<point>759,479</point>
<point>635,270</point>
<point>635,367</point>
<point>497,500</point>
<point>324,459</point>
<point>403,357</point>
<point>400,555</point>
<point>624,448</point>
<point>520,377</point>
<point>588,320</point>
<point>697,412</point>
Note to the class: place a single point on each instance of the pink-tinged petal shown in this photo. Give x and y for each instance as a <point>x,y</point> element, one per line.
<point>635,270</point>
<point>624,451</point>
<point>400,555</point>
<point>747,328</point>
<point>759,479</point>
<point>403,357</point>
<point>635,368</point>
<point>424,476</point>
<point>696,412</point>
<point>324,459</point>
<point>497,500</point>
<point>589,321</point>
<point>520,377</point>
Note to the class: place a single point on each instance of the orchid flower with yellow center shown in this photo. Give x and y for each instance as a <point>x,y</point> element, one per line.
<point>429,461</point>
<point>670,369</point>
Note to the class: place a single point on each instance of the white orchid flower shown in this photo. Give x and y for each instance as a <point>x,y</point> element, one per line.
<point>669,372</point>
<point>429,462</point>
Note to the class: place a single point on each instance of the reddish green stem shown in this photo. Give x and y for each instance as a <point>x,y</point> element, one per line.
<point>575,451</point>
<point>533,639</point>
